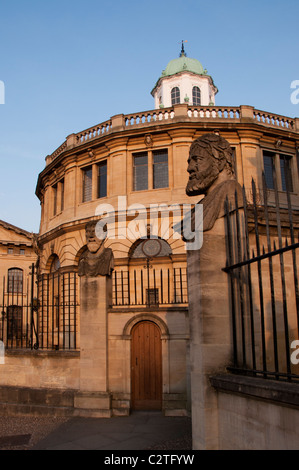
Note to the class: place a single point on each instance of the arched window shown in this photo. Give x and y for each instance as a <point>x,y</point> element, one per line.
<point>150,247</point>
<point>196,99</point>
<point>55,265</point>
<point>15,281</point>
<point>175,95</point>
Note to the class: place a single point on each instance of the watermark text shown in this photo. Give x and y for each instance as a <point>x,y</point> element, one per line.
<point>175,221</point>
<point>295,93</point>
<point>295,354</point>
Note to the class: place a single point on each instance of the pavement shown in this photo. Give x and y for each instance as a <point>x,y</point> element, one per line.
<point>141,430</point>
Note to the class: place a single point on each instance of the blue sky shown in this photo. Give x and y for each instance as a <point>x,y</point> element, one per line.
<point>68,65</point>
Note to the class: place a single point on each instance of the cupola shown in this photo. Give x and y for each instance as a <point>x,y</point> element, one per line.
<point>184,80</point>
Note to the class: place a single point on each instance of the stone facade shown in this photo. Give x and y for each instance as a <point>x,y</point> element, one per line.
<point>130,161</point>
<point>17,250</point>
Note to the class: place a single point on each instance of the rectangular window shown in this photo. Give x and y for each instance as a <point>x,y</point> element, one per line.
<point>87,184</point>
<point>15,281</point>
<point>54,199</point>
<point>160,169</point>
<point>152,296</point>
<point>62,195</point>
<point>10,251</point>
<point>286,174</point>
<point>14,322</point>
<point>282,165</point>
<point>102,179</point>
<point>140,171</point>
<point>268,169</point>
<point>22,252</point>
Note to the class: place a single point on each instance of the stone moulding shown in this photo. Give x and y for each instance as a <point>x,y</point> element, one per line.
<point>258,388</point>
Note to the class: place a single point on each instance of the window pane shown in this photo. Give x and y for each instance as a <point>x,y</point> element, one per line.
<point>102,179</point>
<point>87,184</point>
<point>15,281</point>
<point>62,195</point>
<point>14,322</point>
<point>268,169</point>
<point>140,172</point>
<point>160,169</point>
<point>196,96</point>
<point>175,95</point>
<point>286,175</point>
<point>55,199</point>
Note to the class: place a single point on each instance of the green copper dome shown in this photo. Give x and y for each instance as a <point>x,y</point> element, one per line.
<point>183,64</point>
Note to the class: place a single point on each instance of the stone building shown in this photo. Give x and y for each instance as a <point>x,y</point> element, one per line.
<point>17,255</point>
<point>132,170</point>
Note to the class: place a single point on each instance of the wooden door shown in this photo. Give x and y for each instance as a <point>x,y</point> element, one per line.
<point>146,366</point>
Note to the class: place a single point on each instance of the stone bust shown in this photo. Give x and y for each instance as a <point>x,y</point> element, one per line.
<point>211,174</point>
<point>96,259</point>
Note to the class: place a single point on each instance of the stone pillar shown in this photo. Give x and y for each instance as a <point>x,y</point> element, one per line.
<point>210,345</point>
<point>95,268</point>
<point>94,398</point>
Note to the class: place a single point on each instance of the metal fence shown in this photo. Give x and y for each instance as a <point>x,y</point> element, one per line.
<point>40,312</point>
<point>262,265</point>
<point>58,318</point>
<point>150,287</point>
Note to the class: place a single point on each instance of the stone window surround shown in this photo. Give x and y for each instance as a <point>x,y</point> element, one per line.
<point>293,167</point>
<point>150,163</point>
<point>95,176</point>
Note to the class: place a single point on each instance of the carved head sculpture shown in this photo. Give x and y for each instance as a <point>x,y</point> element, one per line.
<point>93,242</point>
<point>96,260</point>
<point>209,155</point>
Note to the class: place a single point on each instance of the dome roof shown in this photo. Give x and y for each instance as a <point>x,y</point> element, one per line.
<point>183,64</point>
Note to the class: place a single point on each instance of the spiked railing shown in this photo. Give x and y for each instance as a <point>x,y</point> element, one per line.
<point>262,265</point>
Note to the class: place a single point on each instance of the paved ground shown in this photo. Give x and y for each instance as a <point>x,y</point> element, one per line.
<point>139,431</point>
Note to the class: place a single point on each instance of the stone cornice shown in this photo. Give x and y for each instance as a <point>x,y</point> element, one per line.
<point>208,118</point>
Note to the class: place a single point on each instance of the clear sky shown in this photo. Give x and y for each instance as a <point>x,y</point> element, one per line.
<point>68,65</point>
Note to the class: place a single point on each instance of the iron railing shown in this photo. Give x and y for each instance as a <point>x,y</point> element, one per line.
<point>262,265</point>
<point>41,315</point>
<point>149,287</point>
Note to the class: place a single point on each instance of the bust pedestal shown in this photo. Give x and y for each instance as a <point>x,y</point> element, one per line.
<point>93,398</point>
<point>210,332</point>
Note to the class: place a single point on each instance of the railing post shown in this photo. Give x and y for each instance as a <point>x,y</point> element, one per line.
<point>118,122</point>
<point>181,112</point>
<point>246,113</point>
<point>71,140</point>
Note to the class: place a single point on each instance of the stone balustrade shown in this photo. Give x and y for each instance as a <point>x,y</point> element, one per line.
<point>270,119</point>
<point>93,132</point>
<point>209,112</point>
<point>180,112</point>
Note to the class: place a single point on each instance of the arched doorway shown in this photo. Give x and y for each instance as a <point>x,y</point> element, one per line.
<point>146,366</point>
